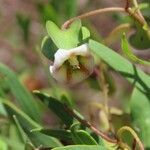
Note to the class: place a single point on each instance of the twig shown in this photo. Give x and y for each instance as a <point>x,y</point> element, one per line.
<point>92,13</point>
<point>127,9</point>
<point>133,133</point>
<point>89,125</point>
<point>135,16</point>
<point>138,10</point>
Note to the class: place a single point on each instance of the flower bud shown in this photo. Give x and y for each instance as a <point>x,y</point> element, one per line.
<point>72,66</point>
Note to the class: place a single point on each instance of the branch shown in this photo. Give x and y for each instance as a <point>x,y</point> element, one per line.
<point>92,13</point>
<point>133,133</point>
<point>127,9</point>
<point>89,125</point>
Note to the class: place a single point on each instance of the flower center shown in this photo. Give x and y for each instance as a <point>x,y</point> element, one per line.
<point>74,63</point>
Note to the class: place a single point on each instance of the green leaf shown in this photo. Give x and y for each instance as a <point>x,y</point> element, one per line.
<point>23,97</point>
<point>81,136</point>
<point>21,131</point>
<point>46,141</point>
<point>134,75</point>
<point>57,133</point>
<point>81,147</point>
<point>48,48</point>
<point>140,111</point>
<point>28,124</point>
<point>85,34</point>
<point>127,51</point>
<point>20,114</point>
<point>56,106</point>
<point>65,39</point>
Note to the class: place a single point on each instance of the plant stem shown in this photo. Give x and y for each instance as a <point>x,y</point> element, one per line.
<point>138,10</point>
<point>92,13</point>
<point>127,9</point>
<point>89,125</point>
<point>133,133</point>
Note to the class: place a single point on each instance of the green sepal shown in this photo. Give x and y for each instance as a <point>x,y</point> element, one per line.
<point>66,39</point>
<point>48,48</point>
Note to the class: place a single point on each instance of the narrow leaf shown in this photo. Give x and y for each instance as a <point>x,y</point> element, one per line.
<point>134,75</point>
<point>56,106</point>
<point>81,147</point>
<point>128,52</point>
<point>23,97</point>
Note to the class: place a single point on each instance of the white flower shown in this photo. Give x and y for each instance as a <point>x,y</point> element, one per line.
<point>73,65</point>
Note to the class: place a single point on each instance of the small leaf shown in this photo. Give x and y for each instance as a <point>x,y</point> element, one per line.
<point>56,106</point>
<point>85,33</point>
<point>81,136</point>
<point>48,48</point>
<point>81,147</point>
<point>127,51</point>
<point>65,39</point>
<point>57,133</point>
<point>23,97</point>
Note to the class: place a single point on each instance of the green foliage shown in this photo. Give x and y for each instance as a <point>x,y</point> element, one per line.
<point>140,111</point>
<point>64,39</point>
<point>48,48</point>
<point>81,136</point>
<point>127,51</point>
<point>140,105</point>
<point>127,69</point>
<point>22,113</point>
<point>57,107</point>
<point>23,97</point>
<point>81,147</point>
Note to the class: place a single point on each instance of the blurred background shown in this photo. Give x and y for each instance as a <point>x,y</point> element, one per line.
<point>22,27</point>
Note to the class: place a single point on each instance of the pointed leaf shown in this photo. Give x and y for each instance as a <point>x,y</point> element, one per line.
<point>127,51</point>
<point>123,66</point>
<point>81,136</point>
<point>56,106</point>
<point>81,147</point>
<point>23,97</point>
